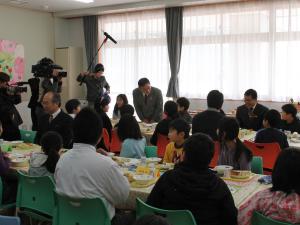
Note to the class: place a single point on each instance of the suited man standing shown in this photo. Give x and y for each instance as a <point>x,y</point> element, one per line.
<point>55,120</point>
<point>251,114</point>
<point>148,102</point>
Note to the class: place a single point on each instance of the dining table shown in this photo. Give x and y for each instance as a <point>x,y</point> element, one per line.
<point>241,190</point>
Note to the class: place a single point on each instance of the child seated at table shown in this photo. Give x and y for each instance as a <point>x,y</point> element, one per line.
<point>129,132</point>
<point>171,113</point>
<point>183,106</point>
<point>179,131</point>
<point>191,185</point>
<point>73,107</point>
<point>232,151</point>
<point>281,201</point>
<point>121,101</point>
<point>44,163</point>
<point>271,133</point>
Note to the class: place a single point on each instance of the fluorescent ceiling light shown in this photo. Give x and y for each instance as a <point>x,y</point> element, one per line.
<point>85,1</point>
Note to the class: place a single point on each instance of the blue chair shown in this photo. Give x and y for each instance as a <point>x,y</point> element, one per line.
<point>151,151</point>
<point>35,197</point>
<point>259,219</point>
<point>28,136</point>
<point>174,217</point>
<point>257,165</point>
<point>9,220</point>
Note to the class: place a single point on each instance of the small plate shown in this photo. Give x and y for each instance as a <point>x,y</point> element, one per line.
<point>153,160</point>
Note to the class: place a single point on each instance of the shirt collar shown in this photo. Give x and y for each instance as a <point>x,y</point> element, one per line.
<point>213,109</point>
<point>56,113</point>
<point>79,146</point>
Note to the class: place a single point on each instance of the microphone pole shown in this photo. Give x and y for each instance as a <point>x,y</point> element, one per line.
<point>91,63</point>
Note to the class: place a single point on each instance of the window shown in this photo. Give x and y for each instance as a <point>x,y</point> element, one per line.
<point>141,50</point>
<point>234,47</point>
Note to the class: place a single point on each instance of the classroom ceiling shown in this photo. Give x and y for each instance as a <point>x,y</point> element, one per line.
<point>62,5</point>
<point>77,8</point>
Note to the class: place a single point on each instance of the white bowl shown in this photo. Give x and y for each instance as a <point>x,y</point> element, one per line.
<point>110,154</point>
<point>221,169</point>
<point>142,178</point>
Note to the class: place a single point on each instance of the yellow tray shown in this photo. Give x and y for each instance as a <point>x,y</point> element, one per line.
<point>134,184</point>
<point>239,179</point>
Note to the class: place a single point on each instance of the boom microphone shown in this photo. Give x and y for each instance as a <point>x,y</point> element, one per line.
<point>110,37</point>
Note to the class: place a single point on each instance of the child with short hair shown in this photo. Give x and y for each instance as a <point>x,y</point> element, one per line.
<point>179,130</point>
<point>271,132</point>
<point>183,106</point>
<point>73,107</point>
<point>162,128</point>
<point>44,163</point>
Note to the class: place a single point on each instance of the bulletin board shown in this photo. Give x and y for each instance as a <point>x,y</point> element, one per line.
<point>12,60</point>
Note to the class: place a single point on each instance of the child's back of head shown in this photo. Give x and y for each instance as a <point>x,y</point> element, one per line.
<point>51,142</point>
<point>183,104</point>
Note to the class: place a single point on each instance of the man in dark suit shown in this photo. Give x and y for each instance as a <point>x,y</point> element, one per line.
<point>55,120</point>
<point>207,122</point>
<point>251,114</point>
<point>148,102</point>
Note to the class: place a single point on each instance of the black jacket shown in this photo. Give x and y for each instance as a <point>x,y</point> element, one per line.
<point>270,135</point>
<point>161,128</point>
<point>62,124</point>
<point>207,122</point>
<point>293,127</point>
<point>9,116</point>
<point>255,122</point>
<point>200,191</point>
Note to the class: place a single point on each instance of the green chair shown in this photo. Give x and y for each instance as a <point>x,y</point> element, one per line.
<point>257,165</point>
<point>28,136</point>
<point>70,211</point>
<point>259,219</point>
<point>35,197</point>
<point>4,206</point>
<point>175,217</point>
<point>151,151</point>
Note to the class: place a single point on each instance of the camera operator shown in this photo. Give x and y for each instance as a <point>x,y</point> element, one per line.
<point>95,82</point>
<point>9,115</point>
<point>52,81</point>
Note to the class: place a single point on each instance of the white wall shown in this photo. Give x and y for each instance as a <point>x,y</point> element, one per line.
<point>31,28</point>
<point>34,30</point>
<point>69,32</point>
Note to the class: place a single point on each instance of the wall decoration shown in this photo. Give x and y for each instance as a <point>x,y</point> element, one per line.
<point>12,60</point>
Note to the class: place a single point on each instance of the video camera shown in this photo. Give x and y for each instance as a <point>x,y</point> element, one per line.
<point>45,67</point>
<point>12,89</point>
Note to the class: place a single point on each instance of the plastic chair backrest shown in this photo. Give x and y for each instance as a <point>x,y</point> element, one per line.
<point>36,193</point>
<point>9,220</point>
<point>151,151</point>
<point>162,142</point>
<point>214,160</point>
<point>257,165</point>
<point>174,217</point>
<point>106,138</point>
<point>28,136</point>
<point>116,144</point>
<point>268,151</point>
<point>70,211</point>
<point>259,219</point>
